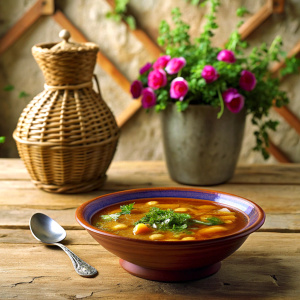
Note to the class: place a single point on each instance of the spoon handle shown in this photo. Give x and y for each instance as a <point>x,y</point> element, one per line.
<point>80,266</point>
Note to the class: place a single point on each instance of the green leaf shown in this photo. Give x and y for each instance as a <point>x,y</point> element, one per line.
<point>130,21</point>
<point>9,88</point>
<point>182,105</point>
<point>209,221</point>
<point>125,210</point>
<point>23,94</point>
<point>240,12</point>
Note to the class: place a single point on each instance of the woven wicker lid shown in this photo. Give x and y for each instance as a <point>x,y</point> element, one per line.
<point>66,63</point>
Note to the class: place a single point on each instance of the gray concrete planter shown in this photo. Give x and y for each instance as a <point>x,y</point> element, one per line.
<point>199,148</point>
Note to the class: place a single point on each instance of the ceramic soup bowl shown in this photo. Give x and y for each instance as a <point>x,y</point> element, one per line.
<point>171,260</point>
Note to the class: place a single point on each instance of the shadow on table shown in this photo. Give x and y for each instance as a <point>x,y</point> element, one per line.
<point>240,276</point>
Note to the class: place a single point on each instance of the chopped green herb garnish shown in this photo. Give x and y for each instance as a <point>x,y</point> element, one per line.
<point>165,219</point>
<point>169,220</point>
<point>125,210</point>
<point>210,221</point>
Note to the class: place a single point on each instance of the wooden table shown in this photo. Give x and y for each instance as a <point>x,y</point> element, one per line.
<point>267,266</point>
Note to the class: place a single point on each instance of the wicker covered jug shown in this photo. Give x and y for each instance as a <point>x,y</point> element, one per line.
<point>67,135</point>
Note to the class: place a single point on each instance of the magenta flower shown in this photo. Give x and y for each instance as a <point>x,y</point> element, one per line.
<point>179,88</point>
<point>175,65</point>
<point>162,62</point>
<point>136,89</point>
<point>210,74</point>
<point>148,98</point>
<point>157,79</point>
<point>247,80</point>
<point>145,68</point>
<point>233,100</point>
<point>227,56</point>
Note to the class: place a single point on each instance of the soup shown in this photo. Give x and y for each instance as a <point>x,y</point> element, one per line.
<point>170,220</point>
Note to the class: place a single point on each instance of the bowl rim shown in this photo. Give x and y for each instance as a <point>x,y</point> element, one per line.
<point>241,233</point>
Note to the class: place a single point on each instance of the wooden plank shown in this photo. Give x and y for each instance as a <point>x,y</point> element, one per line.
<point>270,197</point>
<point>24,236</point>
<point>43,272</point>
<point>267,174</point>
<point>283,174</point>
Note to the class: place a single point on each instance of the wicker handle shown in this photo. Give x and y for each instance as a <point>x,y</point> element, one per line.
<point>97,83</point>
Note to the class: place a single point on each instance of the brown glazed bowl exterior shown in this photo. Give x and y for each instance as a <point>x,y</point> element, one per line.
<point>171,260</point>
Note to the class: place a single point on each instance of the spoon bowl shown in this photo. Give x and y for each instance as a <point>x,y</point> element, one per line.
<point>48,231</point>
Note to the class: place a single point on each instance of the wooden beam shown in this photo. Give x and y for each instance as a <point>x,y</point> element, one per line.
<point>256,20</point>
<point>278,6</point>
<point>290,118</point>
<point>294,52</point>
<point>284,111</point>
<point>128,112</point>
<point>41,7</point>
<point>102,60</point>
<point>277,153</point>
<point>142,36</point>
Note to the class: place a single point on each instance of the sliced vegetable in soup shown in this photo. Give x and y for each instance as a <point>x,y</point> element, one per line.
<point>167,220</point>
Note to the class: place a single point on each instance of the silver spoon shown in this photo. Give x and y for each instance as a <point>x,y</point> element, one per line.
<point>48,231</point>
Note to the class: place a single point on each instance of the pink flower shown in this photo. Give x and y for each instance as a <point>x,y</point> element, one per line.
<point>145,68</point>
<point>175,65</point>
<point>162,62</point>
<point>227,56</point>
<point>179,88</point>
<point>157,79</point>
<point>210,74</point>
<point>233,100</point>
<point>148,98</point>
<point>247,80</point>
<point>136,89</point>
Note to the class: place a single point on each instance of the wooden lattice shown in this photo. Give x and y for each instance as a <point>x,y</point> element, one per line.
<point>47,7</point>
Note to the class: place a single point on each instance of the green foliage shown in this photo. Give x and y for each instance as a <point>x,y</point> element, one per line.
<point>292,66</point>
<point>240,12</point>
<point>193,2</point>
<point>125,210</point>
<point>10,88</point>
<point>23,94</point>
<point>199,53</point>
<point>119,13</point>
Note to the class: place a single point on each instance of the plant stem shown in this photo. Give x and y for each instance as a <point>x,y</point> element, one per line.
<point>221,104</point>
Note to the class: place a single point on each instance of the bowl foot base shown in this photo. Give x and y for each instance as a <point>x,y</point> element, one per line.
<point>170,275</point>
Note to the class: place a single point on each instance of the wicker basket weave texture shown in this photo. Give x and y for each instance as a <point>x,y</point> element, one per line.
<point>67,135</point>
<point>66,67</point>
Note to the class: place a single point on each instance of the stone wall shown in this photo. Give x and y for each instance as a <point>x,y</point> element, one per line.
<point>141,136</point>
